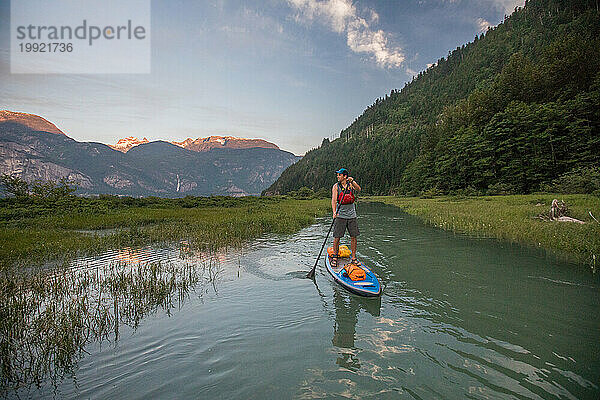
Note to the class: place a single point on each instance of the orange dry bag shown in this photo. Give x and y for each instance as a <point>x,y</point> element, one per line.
<point>355,272</point>
<point>343,251</point>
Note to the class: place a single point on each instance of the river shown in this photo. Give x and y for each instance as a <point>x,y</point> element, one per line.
<point>459,317</point>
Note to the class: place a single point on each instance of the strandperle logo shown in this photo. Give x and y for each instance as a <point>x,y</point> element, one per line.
<point>65,36</point>
<point>82,32</point>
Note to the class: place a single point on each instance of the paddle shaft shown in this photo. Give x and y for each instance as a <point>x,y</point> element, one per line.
<point>311,273</point>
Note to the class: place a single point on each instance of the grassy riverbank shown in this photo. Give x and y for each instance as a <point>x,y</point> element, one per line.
<point>514,218</point>
<point>36,231</point>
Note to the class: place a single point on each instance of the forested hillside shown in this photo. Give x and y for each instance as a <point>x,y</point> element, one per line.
<point>510,112</point>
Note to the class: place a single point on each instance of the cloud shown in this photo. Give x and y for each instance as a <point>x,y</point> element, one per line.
<point>506,7</point>
<point>342,17</point>
<point>483,24</point>
<point>509,5</point>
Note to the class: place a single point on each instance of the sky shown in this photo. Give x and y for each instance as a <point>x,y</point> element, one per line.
<point>288,71</point>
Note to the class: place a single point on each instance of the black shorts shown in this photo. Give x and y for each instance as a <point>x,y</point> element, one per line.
<point>341,224</point>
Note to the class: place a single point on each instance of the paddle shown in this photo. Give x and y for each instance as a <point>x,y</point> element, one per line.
<point>311,273</point>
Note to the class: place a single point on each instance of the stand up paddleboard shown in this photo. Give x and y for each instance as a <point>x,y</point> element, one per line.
<point>369,287</point>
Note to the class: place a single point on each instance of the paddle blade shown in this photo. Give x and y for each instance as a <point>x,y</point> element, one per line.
<point>311,274</point>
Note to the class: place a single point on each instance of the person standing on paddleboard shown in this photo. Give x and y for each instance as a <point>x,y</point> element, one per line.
<point>344,193</point>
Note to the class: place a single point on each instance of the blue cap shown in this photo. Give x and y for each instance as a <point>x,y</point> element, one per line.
<point>342,171</point>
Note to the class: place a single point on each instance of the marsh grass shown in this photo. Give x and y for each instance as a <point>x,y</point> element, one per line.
<point>49,316</point>
<point>514,218</point>
<point>40,232</point>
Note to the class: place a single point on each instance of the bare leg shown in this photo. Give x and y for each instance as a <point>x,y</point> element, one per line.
<point>336,245</point>
<point>353,243</point>
<point>336,250</point>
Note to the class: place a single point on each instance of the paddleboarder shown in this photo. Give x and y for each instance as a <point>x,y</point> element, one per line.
<point>344,191</point>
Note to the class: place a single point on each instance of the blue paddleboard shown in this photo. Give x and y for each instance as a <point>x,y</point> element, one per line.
<point>369,287</point>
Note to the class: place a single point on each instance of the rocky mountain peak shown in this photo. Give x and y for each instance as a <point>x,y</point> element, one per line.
<point>201,144</point>
<point>31,121</point>
<point>127,143</point>
<point>228,142</point>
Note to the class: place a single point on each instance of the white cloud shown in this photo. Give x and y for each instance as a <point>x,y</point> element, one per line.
<point>506,6</point>
<point>341,16</point>
<point>482,24</point>
<point>509,5</point>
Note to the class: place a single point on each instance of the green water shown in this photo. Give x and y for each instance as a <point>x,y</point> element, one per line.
<point>459,318</point>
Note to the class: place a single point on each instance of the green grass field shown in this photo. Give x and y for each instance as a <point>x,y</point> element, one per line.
<point>37,232</point>
<point>514,218</point>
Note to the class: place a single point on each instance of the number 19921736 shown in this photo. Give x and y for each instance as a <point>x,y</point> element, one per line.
<point>49,47</point>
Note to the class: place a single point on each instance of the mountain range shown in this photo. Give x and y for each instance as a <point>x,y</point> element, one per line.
<point>35,149</point>
<point>200,144</point>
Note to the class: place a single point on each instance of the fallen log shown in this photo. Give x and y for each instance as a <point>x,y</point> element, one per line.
<point>558,211</point>
<point>569,219</point>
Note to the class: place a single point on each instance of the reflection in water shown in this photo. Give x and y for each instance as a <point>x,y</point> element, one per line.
<point>128,255</point>
<point>347,308</point>
<point>49,316</point>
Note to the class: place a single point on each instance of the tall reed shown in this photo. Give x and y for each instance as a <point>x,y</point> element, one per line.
<point>49,316</point>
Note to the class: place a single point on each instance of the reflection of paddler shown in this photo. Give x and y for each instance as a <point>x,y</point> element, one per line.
<point>346,317</point>
<point>347,308</point>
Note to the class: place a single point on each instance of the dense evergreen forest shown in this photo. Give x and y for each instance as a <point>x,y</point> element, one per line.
<point>514,111</point>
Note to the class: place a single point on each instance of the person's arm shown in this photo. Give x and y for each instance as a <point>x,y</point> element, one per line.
<point>354,184</point>
<point>334,195</point>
